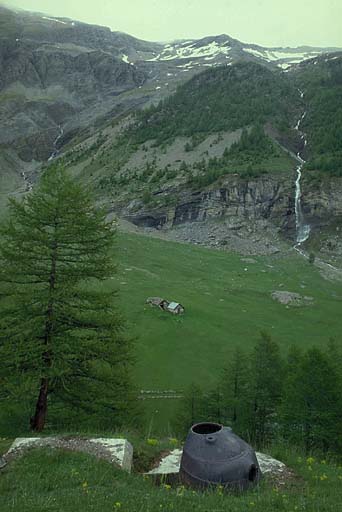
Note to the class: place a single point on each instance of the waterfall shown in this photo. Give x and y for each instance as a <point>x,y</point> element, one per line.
<point>55,149</point>
<point>28,184</point>
<point>302,229</point>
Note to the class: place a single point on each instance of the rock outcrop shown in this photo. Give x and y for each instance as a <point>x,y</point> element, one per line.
<point>243,204</point>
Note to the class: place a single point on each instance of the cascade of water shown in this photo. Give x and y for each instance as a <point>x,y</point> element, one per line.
<point>55,150</point>
<point>28,184</point>
<point>302,229</point>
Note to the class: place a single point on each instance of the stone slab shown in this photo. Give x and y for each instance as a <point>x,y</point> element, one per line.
<point>116,451</point>
<point>120,449</point>
<point>170,464</point>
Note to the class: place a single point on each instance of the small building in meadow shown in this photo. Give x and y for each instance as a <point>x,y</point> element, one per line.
<point>175,308</point>
<point>172,307</point>
<point>158,302</point>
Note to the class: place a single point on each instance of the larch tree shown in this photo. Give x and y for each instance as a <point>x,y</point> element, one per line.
<point>312,406</point>
<point>234,385</point>
<point>265,387</point>
<point>59,328</point>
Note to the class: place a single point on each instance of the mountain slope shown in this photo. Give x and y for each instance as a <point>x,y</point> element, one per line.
<point>225,98</point>
<point>221,144</point>
<point>321,82</point>
<point>222,148</point>
<point>57,73</point>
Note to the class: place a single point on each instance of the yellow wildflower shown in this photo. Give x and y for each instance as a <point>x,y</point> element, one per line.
<point>220,490</point>
<point>152,442</point>
<point>310,460</point>
<point>117,504</point>
<point>167,487</point>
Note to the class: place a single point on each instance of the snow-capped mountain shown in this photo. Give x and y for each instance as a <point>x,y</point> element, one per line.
<point>215,50</point>
<point>58,75</point>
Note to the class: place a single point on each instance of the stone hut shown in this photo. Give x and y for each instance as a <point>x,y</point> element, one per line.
<point>158,302</point>
<point>175,308</point>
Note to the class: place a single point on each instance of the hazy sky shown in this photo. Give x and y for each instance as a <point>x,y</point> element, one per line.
<point>266,22</point>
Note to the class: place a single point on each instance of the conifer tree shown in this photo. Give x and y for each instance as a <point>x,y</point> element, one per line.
<point>313,406</point>
<point>59,329</point>
<point>192,409</point>
<point>290,407</point>
<point>266,387</point>
<point>234,386</point>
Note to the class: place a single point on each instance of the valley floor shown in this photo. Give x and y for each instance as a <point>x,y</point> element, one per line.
<point>227,300</point>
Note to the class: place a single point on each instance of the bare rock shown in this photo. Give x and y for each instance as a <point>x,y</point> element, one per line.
<point>291,298</point>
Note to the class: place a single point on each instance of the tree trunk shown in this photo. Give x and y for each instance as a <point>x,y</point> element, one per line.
<point>38,420</point>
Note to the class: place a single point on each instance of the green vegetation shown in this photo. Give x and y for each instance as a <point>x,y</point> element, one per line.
<point>75,482</point>
<point>225,307</point>
<point>10,180</point>
<point>254,155</point>
<point>61,339</point>
<point>267,399</point>
<point>322,84</point>
<point>220,99</point>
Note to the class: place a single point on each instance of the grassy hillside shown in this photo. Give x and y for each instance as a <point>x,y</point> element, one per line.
<point>75,482</point>
<point>227,302</point>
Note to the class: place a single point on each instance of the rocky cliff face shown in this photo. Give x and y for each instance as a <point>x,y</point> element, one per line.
<point>237,212</point>
<point>250,216</point>
<point>322,201</point>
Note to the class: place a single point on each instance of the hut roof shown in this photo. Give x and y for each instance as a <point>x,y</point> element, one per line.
<point>174,305</point>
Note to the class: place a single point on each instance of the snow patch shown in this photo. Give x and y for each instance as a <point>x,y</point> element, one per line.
<point>187,65</point>
<point>273,55</point>
<point>53,19</point>
<point>186,51</point>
